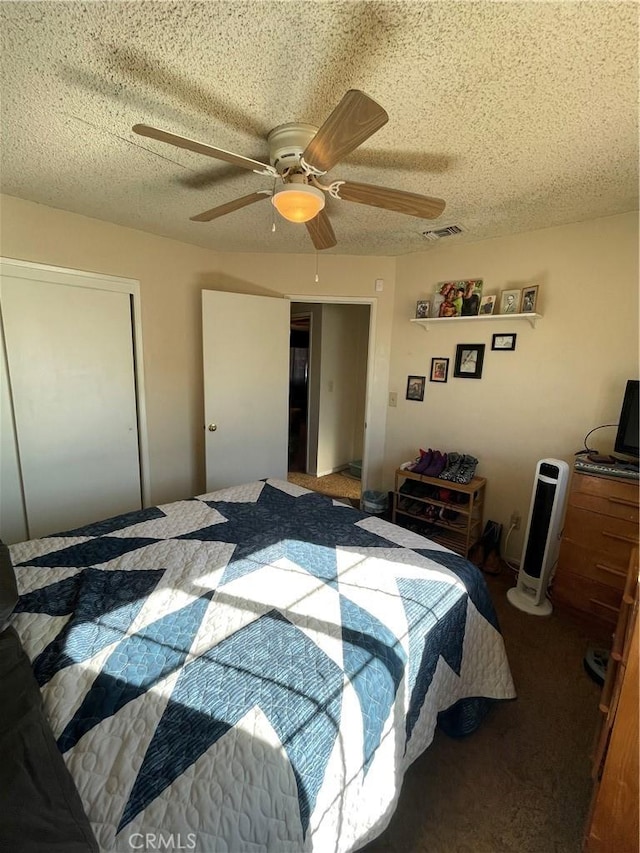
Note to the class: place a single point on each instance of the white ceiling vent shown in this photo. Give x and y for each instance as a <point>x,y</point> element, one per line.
<point>439,233</point>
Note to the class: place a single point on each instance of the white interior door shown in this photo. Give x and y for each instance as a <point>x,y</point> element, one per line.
<point>246,387</point>
<point>71,371</point>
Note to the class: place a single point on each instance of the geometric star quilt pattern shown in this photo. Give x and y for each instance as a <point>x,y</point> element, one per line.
<point>254,668</point>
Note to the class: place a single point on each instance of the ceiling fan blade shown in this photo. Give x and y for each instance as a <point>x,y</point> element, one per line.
<point>412,204</point>
<point>230,206</point>
<point>355,119</point>
<point>321,232</point>
<point>203,148</point>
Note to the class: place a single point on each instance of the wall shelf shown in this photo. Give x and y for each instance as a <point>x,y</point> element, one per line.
<point>427,321</point>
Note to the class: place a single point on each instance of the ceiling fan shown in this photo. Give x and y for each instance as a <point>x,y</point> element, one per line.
<point>299,155</point>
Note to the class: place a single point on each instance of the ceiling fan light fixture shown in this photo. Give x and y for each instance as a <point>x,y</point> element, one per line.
<point>298,202</point>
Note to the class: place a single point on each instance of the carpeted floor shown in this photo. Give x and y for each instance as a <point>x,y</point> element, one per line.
<point>521,783</point>
<point>337,485</point>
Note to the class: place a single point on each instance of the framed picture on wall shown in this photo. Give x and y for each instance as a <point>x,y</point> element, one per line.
<point>507,342</point>
<point>469,358</point>
<point>439,369</point>
<point>415,387</point>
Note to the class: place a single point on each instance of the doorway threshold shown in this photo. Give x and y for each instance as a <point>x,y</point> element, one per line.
<point>337,485</point>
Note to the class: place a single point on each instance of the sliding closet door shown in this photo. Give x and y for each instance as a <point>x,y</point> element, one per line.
<point>71,370</point>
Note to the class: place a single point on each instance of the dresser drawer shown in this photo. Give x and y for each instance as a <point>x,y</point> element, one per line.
<point>625,490</point>
<point>596,565</point>
<point>615,507</point>
<point>615,536</point>
<point>587,596</point>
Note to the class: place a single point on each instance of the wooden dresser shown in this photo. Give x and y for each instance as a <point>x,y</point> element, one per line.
<point>600,531</point>
<point>613,824</point>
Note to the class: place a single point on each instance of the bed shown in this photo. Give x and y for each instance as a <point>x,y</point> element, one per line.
<point>253,669</point>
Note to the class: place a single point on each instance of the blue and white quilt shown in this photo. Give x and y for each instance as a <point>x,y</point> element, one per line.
<point>253,669</point>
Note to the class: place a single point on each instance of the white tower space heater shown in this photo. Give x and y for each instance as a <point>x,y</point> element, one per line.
<point>542,538</point>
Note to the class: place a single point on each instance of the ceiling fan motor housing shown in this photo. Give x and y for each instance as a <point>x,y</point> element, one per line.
<point>287,143</point>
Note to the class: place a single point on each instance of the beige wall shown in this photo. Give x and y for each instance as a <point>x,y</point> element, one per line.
<point>565,377</point>
<point>172,275</point>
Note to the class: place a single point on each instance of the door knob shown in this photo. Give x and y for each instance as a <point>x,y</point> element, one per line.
<point>212,427</point>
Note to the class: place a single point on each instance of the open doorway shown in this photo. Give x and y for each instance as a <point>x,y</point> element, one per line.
<point>329,347</point>
<point>299,341</point>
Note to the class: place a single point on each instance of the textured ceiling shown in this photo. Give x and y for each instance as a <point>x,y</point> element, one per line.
<point>519,115</point>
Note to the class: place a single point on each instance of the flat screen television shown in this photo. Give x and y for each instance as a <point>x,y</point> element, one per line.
<point>627,438</point>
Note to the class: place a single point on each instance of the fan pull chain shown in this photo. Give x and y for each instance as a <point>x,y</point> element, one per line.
<point>273,209</point>
<point>317,279</point>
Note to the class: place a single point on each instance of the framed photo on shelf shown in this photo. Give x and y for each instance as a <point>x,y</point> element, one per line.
<point>510,301</point>
<point>487,304</point>
<point>458,298</point>
<point>449,299</point>
<point>422,309</point>
<point>439,370</point>
<point>415,388</point>
<point>471,296</point>
<point>469,358</point>
<point>529,299</point>
<point>507,342</point>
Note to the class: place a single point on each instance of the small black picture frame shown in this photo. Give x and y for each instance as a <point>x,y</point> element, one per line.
<point>503,342</point>
<point>439,370</point>
<point>469,358</point>
<point>415,388</point>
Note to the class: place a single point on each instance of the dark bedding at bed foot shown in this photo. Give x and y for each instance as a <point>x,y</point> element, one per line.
<point>41,808</point>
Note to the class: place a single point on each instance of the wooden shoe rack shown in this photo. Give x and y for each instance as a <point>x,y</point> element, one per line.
<point>460,534</point>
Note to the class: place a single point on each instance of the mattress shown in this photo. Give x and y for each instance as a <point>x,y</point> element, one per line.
<point>253,669</point>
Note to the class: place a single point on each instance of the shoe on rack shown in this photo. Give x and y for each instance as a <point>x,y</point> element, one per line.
<point>435,457</point>
<point>418,460</point>
<point>449,515</point>
<point>424,461</point>
<point>438,464</point>
<point>432,513</point>
<point>453,464</point>
<point>465,473</point>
